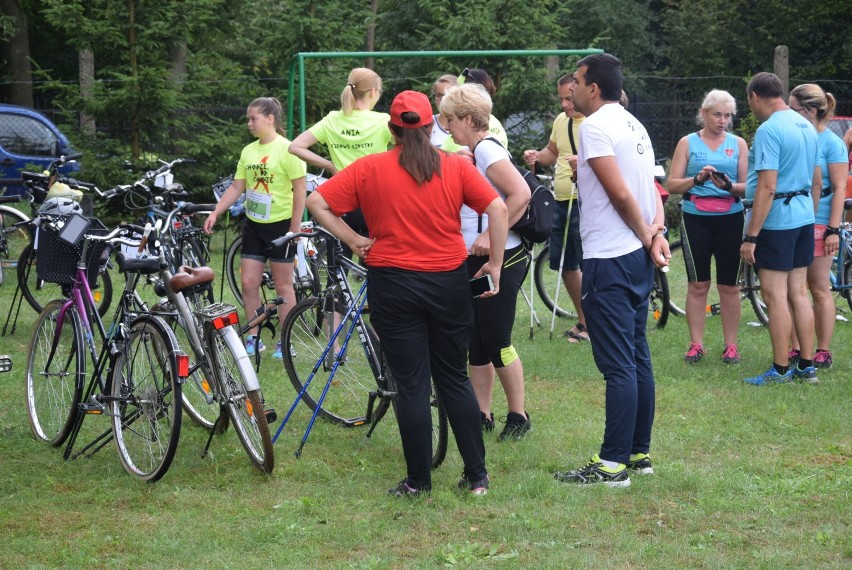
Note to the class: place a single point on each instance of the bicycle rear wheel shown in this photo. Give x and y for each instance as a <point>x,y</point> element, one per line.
<point>547,281</point>
<point>753,287</point>
<point>55,382</point>
<point>677,279</point>
<point>146,399</point>
<point>244,406</point>
<point>440,429</point>
<point>16,237</point>
<point>306,333</point>
<point>659,305</point>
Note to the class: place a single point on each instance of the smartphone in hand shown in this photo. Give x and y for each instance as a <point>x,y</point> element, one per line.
<point>480,285</point>
<point>722,179</point>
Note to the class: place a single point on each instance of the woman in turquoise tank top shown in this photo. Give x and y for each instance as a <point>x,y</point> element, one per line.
<point>817,106</point>
<point>709,168</point>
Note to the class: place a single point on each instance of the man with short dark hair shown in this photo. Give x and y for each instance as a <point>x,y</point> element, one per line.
<point>621,222</point>
<point>779,238</point>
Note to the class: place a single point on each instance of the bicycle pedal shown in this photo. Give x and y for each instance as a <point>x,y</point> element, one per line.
<point>271,416</point>
<point>93,408</point>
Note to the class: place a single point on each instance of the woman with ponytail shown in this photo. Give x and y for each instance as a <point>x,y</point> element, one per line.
<point>419,292</point>
<point>274,183</point>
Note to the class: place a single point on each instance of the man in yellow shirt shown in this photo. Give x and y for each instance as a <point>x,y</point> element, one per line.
<point>562,150</point>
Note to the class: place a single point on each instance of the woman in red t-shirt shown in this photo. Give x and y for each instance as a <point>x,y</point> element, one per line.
<point>419,293</point>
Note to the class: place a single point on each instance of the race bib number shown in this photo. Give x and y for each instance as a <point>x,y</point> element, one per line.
<point>258,205</point>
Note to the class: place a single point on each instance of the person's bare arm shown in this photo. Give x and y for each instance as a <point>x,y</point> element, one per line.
<point>767,181</point>
<point>546,156</point>
<point>300,148</point>
<point>498,229</point>
<point>229,197</point>
<point>300,192</point>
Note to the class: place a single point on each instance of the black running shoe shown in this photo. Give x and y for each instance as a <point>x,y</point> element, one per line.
<point>595,472</point>
<point>487,421</point>
<point>640,463</point>
<point>516,426</point>
<point>479,487</point>
<point>406,490</point>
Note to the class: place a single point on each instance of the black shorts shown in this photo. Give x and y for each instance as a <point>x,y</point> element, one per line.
<point>706,237</point>
<point>258,237</point>
<point>784,250</point>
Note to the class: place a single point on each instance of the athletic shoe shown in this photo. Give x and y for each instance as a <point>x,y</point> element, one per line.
<point>808,375</point>
<point>694,353</point>
<point>487,421</point>
<point>640,463</point>
<point>516,426</point>
<point>822,359</point>
<point>475,487</point>
<point>771,376</point>
<point>596,472</point>
<point>406,490</point>
<point>731,355</point>
<point>793,357</point>
<point>278,354</point>
<point>254,344</point>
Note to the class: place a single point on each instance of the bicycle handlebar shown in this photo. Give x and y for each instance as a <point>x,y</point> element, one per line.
<point>289,236</point>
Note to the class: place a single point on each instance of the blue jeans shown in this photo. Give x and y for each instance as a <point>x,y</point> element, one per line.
<point>615,297</point>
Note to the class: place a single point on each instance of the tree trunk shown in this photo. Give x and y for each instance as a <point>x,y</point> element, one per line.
<point>177,57</point>
<point>371,33</point>
<point>135,144</point>
<point>86,62</point>
<point>17,54</point>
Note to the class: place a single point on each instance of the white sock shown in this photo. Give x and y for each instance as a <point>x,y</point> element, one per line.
<point>611,464</point>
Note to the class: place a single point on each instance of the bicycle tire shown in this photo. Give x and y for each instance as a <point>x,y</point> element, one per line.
<point>304,336</point>
<point>14,226</point>
<point>542,274</point>
<point>753,286</point>
<point>39,293</point>
<point>54,388</point>
<point>197,388</point>
<point>245,407</point>
<point>677,280</point>
<point>440,429</point>
<point>659,302</point>
<point>847,280</point>
<point>232,268</point>
<point>145,385</point>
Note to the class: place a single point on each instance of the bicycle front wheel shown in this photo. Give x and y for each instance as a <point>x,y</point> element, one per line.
<point>244,406</point>
<point>55,376</point>
<point>307,331</point>
<point>659,305</point>
<point>15,238</point>
<point>753,288</point>
<point>232,268</point>
<point>146,399</point>
<point>547,282</point>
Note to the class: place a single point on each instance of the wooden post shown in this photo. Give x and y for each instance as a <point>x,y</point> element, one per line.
<point>782,67</point>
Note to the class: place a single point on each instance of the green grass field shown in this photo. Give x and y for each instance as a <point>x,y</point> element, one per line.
<point>745,478</point>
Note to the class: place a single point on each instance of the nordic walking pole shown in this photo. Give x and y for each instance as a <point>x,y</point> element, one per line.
<point>561,262</point>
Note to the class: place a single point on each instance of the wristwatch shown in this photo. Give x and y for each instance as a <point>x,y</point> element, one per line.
<point>749,239</point>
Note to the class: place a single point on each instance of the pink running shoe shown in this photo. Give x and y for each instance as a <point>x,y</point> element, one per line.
<point>822,359</point>
<point>731,355</point>
<point>694,353</point>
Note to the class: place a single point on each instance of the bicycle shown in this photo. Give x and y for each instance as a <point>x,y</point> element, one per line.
<point>308,270</point>
<point>658,305</point>
<point>220,375</point>
<point>318,332</point>
<point>35,290</point>
<point>14,237</point>
<point>136,377</point>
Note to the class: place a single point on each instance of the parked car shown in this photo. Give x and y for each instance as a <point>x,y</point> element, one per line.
<point>28,141</point>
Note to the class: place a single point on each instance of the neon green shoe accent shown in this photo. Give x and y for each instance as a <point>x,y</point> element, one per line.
<point>597,460</point>
<point>638,456</point>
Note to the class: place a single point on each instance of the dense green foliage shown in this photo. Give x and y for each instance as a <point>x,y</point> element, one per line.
<point>172,77</point>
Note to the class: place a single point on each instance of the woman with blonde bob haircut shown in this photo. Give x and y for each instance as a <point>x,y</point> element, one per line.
<point>468,109</point>
<point>817,106</point>
<point>709,168</point>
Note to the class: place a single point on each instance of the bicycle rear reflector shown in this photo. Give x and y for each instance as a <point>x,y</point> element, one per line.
<point>226,320</point>
<point>182,361</point>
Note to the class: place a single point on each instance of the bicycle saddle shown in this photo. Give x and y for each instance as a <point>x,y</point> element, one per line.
<point>188,276</point>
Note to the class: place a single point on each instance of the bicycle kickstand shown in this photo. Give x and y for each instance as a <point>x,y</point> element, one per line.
<point>213,431</point>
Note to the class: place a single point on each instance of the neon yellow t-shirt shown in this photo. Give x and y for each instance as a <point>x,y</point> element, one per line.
<point>349,137</point>
<point>495,127</point>
<point>268,170</point>
<point>562,184</point>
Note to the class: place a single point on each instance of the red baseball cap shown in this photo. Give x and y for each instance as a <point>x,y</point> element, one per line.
<point>411,102</point>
